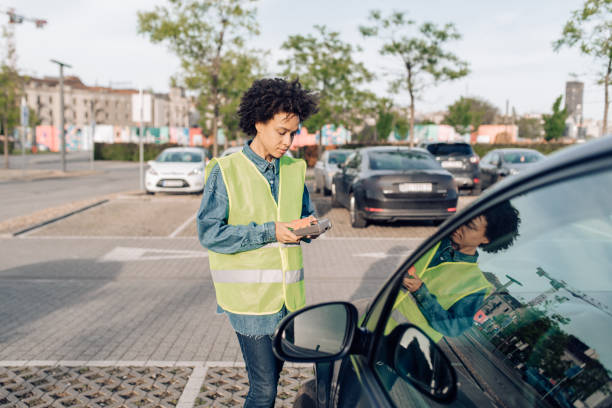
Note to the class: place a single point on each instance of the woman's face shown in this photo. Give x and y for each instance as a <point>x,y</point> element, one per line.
<point>277,134</point>
<point>472,234</point>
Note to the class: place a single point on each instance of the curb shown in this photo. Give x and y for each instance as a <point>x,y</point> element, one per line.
<point>61,217</point>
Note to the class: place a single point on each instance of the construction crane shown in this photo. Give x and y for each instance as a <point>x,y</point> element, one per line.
<point>15,18</point>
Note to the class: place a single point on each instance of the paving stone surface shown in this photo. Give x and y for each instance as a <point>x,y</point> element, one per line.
<point>92,387</point>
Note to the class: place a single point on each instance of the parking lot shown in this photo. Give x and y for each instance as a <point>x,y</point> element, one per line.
<point>121,293</point>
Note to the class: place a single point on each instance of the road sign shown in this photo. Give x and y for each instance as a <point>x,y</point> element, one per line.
<point>25,114</point>
<point>146,108</point>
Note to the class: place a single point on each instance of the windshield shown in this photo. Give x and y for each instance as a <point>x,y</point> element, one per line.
<point>521,157</point>
<point>401,160</point>
<point>337,157</point>
<point>179,157</point>
<point>445,149</point>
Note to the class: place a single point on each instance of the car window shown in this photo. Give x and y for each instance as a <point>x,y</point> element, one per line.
<point>337,157</point>
<point>528,316</point>
<point>354,162</point>
<point>521,157</point>
<point>445,149</point>
<point>180,157</point>
<point>401,160</point>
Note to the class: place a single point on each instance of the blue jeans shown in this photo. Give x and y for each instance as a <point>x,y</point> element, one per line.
<point>263,369</point>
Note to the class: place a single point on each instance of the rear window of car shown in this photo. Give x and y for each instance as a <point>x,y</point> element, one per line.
<point>444,149</point>
<point>401,160</point>
<point>179,157</point>
<point>521,157</point>
<point>337,157</point>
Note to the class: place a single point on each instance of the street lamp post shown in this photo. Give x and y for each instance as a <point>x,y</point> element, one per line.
<point>62,130</point>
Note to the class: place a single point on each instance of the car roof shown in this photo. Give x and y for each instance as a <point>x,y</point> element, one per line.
<point>393,148</point>
<point>185,149</point>
<point>515,150</point>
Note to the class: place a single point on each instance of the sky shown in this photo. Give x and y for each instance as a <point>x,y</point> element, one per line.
<point>507,44</point>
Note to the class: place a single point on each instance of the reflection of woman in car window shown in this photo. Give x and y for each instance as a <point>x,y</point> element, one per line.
<point>445,288</point>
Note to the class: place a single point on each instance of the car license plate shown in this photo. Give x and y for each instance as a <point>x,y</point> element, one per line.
<point>172,183</point>
<point>415,187</point>
<point>452,164</point>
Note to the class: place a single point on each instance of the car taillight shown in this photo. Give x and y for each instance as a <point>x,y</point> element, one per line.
<point>476,180</point>
<point>474,159</point>
<point>452,209</point>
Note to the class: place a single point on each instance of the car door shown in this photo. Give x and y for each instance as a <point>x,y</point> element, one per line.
<point>488,169</point>
<point>340,180</point>
<point>525,318</point>
<point>541,335</point>
<point>353,169</point>
<point>319,171</point>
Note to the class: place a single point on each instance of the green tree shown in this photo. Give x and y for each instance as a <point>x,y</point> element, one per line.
<point>10,93</point>
<point>422,54</point>
<point>467,114</point>
<point>201,33</point>
<point>554,124</point>
<point>237,73</point>
<point>325,63</point>
<point>385,120</point>
<point>530,128</point>
<point>590,28</point>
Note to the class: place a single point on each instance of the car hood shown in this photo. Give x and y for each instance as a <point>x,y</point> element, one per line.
<point>175,168</point>
<point>518,166</point>
<point>432,172</point>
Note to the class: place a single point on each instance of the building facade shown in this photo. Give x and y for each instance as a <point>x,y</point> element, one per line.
<point>574,93</point>
<point>84,104</point>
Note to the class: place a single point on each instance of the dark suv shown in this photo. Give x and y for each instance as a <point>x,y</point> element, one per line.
<point>460,160</point>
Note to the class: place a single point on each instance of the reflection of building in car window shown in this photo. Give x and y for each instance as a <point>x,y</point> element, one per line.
<point>445,288</point>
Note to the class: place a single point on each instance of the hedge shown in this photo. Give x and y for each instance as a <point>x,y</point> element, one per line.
<point>128,151</point>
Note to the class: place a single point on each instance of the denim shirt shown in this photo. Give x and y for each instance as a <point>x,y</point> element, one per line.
<point>460,316</point>
<point>216,235</point>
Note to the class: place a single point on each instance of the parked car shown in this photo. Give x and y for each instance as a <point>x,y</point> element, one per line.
<point>235,149</point>
<point>500,163</point>
<point>540,339</point>
<point>393,183</point>
<point>326,168</point>
<point>460,160</point>
<point>177,170</point>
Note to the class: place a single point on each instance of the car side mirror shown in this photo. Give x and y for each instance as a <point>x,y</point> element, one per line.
<point>418,360</point>
<point>317,333</point>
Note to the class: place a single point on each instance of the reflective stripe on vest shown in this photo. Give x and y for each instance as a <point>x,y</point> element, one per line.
<point>448,281</point>
<point>257,276</point>
<point>260,281</point>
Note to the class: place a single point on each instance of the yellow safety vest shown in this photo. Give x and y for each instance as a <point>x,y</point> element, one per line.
<point>260,281</point>
<point>448,281</point>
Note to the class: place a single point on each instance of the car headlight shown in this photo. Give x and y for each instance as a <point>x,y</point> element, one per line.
<point>152,171</point>
<point>196,172</point>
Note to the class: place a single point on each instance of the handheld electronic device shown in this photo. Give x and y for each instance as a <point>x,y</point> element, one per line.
<point>314,230</point>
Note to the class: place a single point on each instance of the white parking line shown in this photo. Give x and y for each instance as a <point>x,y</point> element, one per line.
<point>183,225</point>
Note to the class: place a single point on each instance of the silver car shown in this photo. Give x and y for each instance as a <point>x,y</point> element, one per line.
<point>326,168</point>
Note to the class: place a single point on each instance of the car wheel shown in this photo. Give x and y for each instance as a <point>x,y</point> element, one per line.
<point>326,191</point>
<point>150,192</point>
<point>357,220</point>
<point>334,198</point>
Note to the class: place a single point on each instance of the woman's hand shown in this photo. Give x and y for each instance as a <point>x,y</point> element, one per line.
<point>411,281</point>
<point>284,234</point>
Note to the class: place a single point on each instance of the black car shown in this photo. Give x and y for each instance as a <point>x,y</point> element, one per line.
<point>500,163</point>
<point>460,160</point>
<point>393,183</point>
<point>540,339</point>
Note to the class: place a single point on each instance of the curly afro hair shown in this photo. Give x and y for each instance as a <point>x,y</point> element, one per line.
<point>502,227</point>
<point>267,97</point>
